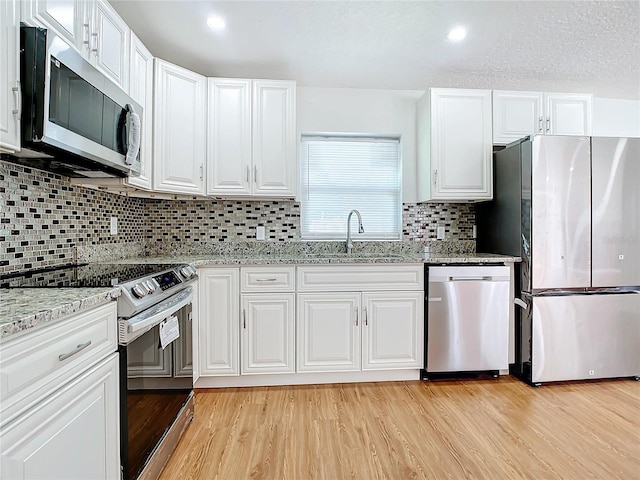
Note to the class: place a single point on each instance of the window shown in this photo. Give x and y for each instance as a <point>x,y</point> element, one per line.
<point>340,174</point>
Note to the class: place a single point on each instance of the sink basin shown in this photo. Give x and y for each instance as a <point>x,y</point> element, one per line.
<point>351,255</point>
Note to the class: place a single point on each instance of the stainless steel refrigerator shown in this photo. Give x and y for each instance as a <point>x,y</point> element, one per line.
<point>570,207</point>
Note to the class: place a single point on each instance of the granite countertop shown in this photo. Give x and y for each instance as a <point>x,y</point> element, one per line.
<point>22,309</point>
<point>324,258</point>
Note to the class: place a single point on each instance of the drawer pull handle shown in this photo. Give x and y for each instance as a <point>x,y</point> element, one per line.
<point>266,279</point>
<point>79,348</point>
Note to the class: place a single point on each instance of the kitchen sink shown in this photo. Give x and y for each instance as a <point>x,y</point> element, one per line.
<point>350,255</point>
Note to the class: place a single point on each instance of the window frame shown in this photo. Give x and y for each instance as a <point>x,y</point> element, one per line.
<point>340,235</point>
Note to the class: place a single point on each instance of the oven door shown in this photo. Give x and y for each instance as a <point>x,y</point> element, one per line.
<point>156,393</point>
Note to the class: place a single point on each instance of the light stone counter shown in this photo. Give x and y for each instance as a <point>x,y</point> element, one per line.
<point>325,258</point>
<point>24,308</point>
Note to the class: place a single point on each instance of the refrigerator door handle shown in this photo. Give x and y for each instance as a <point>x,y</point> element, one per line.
<point>519,302</point>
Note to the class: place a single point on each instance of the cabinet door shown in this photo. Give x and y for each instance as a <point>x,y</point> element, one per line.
<point>274,138</point>
<point>146,359</point>
<point>568,114</point>
<point>75,434</point>
<point>179,129</point>
<point>392,330</point>
<point>9,77</point>
<point>461,144</point>
<point>229,137</point>
<point>516,115</point>
<point>109,44</point>
<point>65,17</point>
<point>183,346</point>
<point>328,332</point>
<point>141,91</point>
<point>218,320</point>
<point>268,333</point>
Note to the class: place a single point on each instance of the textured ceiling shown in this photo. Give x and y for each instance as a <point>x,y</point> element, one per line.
<point>562,46</point>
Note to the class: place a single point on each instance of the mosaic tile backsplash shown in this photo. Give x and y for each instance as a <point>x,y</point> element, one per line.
<point>46,221</point>
<point>44,218</point>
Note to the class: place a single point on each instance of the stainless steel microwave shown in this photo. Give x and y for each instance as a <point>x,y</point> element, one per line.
<point>75,121</point>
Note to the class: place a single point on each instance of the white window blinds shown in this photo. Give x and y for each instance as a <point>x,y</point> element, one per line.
<point>340,174</point>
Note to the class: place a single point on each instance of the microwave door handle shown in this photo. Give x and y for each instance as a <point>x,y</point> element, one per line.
<point>121,132</point>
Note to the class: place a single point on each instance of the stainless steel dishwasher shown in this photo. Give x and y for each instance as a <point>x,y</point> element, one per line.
<point>468,319</point>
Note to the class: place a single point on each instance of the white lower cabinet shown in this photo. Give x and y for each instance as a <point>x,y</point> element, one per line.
<point>268,333</point>
<point>59,400</point>
<point>392,331</point>
<point>328,332</point>
<point>353,331</point>
<point>311,323</point>
<point>218,321</point>
<point>73,434</point>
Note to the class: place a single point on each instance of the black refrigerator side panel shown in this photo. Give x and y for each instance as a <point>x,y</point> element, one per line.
<point>526,205</point>
<point>498,221</point>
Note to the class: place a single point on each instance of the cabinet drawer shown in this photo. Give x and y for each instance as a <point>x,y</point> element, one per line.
<point>34,365</point>
<point>267,279</point>
<point>361,278</point>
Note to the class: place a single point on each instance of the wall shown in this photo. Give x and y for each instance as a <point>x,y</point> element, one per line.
<point>361,111</point>
<point>44,219</point>
<point>614,117</point>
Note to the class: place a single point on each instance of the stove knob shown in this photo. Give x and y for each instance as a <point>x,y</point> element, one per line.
<point>185,272</point>
<point>139,290</point>
<point>150,286</point>
<point>192,269</point>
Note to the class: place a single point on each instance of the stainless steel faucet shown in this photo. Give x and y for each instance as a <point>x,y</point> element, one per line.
<point>360,228</point>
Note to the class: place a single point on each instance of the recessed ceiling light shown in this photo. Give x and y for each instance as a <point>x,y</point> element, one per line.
<point>457,34</point>
<point>216,22</point>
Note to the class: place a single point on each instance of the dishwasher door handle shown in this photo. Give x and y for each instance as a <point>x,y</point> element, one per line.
<point>470,279</point>
<point>434,299</point>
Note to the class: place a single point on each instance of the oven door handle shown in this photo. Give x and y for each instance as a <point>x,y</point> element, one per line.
<point>132,328</point>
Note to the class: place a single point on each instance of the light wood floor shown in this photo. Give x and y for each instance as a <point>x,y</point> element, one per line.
<point>493,429</point>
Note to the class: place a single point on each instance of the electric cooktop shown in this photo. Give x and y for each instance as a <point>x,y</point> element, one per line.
<point>84,275</point>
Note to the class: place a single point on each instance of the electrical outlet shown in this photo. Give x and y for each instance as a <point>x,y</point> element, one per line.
<point>440,233</point>
<point>114,226</point>
<point>260,233</point>
<point>474,232</point>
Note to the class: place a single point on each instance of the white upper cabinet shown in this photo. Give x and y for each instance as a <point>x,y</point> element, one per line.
<point>92,27</point>
<point>454,145</point>
<point>65,17</point>
<point>251,138</point>
<point>108,47</point>
<point>179,129</point>
<point>9,77</point>
<point>518,114</point>
<point>568,114</point>
<point>229,137</point>
<point>141,91</point>
<point>274,138</point>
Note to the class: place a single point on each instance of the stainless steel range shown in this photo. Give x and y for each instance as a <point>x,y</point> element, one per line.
<point>156,375</point>
<point>156,379</point>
